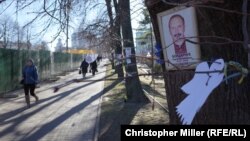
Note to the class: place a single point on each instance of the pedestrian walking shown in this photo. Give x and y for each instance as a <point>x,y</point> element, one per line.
<point>93,67</point>
<point>30,80</point>
<point>84,68</point>
<point>99,58</point>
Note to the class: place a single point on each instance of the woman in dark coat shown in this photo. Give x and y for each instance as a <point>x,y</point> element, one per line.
<point>84,68</point>
<point>93,67</point>
<point>30,79</point>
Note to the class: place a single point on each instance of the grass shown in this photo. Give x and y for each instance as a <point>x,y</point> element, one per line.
<point>115,111</point>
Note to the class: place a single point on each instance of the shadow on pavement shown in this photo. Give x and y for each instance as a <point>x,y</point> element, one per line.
<point>10,114</point>
<point>48,127</point>
<point>111,121</point>
<point>116,112</point>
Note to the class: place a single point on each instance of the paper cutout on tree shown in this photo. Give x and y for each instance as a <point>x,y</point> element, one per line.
<point>198,89</point>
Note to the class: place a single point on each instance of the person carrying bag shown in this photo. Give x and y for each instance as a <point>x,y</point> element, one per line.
<point>84,68</point>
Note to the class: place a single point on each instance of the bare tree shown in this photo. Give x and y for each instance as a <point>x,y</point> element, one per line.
<point>5,32</point>
<point>28,32</point>
<point>44,45</point>
<point>120,19</point>
<point>56,13</point>
<point>115,33</point>
<point>8,31</point>
<point>133,85</point>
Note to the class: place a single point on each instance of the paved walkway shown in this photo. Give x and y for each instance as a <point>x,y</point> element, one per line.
<point>68,115</point>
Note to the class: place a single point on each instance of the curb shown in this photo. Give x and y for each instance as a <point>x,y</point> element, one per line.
<point>97,127</point>
<point>96,132</point>
<point>10,96</point>
<point>151,98</point>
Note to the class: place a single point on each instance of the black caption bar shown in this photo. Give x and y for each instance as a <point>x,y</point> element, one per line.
<point>163,132</point>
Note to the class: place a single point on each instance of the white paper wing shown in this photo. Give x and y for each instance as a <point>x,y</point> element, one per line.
<point>198,79</point>
<point>199,88</point>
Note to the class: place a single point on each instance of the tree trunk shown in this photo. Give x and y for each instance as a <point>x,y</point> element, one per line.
<point>115,33</point>
<point>110,13</point>
<point>133,85</point>
<point>117,39</point>
<point>227,104</point>
<point>5,36</point>
<point>111,23</point>
<point>112,60</point>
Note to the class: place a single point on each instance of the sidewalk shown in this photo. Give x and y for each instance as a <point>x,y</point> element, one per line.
<point>67,115</point>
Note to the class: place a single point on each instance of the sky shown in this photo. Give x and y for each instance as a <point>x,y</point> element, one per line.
<point>8,8</point>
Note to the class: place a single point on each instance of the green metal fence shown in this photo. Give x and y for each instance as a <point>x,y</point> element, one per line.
<point>9,69</point>
<point>48,64</point>
<point>44,65</point>
<point>59,62</point>
<point>77,60</point>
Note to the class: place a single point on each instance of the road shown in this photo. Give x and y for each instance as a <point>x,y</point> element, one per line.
<point>71,114</point>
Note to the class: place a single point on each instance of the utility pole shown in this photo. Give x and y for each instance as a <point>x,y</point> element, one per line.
<point>67,24</point>
<point>18,38</point>
<point>152,51</point>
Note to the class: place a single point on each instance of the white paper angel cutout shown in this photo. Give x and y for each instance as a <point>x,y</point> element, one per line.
<point>198,89</point>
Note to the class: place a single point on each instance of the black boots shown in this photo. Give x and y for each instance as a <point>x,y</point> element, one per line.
<point>27,98</point>
<point>36,97</point>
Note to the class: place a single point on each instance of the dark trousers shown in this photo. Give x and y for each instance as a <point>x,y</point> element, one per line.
<point>29,88</point>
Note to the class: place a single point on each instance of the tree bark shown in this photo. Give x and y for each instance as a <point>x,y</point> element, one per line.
<point>111,23</point>
<point>117,39</point>
<point>229,103</point>
<point>115,33</point>
<point>110,13</point>
<point>133,85</point>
